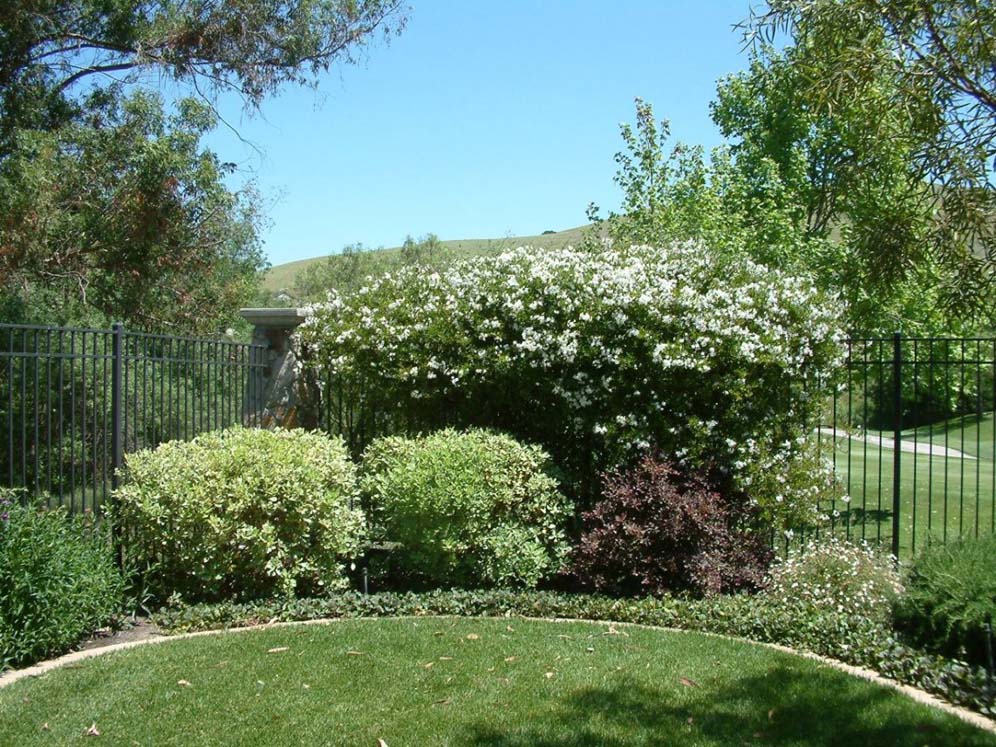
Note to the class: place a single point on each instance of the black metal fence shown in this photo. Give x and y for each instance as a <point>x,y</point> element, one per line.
<point>910,434</point>
<point>73,401</point>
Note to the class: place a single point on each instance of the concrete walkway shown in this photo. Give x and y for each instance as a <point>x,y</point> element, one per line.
<point>920,447</point>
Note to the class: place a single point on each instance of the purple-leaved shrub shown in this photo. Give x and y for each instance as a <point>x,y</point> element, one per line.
<point>659,529</point>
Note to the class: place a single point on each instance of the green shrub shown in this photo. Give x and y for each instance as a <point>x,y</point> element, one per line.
<point>241,513</point>
<point>832,574</point>
<point>950,592</point>
<point>58,582</point>
<point>469,509</point>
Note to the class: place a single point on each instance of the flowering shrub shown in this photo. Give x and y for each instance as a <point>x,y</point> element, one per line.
<point>468,509</point>
<point>831,574</point>
<point>241,513</point>
<point>598,356</point>
<point>657,530</point>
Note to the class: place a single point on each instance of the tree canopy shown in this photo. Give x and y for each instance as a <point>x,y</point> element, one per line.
<point>111,205</point>
<point>937,59</point>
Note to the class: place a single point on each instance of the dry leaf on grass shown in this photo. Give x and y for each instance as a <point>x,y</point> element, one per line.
<point>687,682</point>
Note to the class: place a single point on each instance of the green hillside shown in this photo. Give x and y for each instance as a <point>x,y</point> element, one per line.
<point>281,277</point>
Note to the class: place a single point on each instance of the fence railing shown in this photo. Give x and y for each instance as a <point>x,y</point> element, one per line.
<point>73,401</point>
<point>909,431</point>
<point>910,434</point>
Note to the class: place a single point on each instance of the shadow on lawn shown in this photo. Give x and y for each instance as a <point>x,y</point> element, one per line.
<point>781,707</point>
<point>870,518</point>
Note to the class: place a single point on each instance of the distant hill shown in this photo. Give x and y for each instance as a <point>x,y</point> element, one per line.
<point>281,277</point>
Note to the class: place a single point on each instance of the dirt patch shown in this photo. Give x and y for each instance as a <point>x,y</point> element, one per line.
<point>140,630</point>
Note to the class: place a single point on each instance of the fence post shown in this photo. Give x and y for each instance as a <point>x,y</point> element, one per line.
<point>117,398</point>
<point>117,362</point>
<point>276,401</point>
<point>897,427</point>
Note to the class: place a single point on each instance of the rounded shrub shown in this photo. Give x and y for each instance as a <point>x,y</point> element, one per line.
<point>950,594</point>
<point>659,529</point>
<point>58,582</point>
<point>241,513</point>
<point>837,576</point>
<point>468,509</point>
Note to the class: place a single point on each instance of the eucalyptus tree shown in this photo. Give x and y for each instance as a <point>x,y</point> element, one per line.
<point>939,59</point>
<point>111,204</point>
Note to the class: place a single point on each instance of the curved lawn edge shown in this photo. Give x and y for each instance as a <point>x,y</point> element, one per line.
<point>916,694</point>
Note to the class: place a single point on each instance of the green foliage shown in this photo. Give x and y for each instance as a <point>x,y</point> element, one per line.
<point>112,208</point>
<point>241,513</point>
<point>833,574</point>
<point>909,91</point>
<point>124,215</point>
<point>468,509</point>
<point>350,269</point>
<point>58,582</point>
<point>825,631</point>
<point>50,47</point>
<point>950,596</point>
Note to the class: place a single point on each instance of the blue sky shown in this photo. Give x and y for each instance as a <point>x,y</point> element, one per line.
<point>480,120</point>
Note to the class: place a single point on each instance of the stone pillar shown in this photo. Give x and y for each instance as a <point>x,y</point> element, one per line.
<point>278,399</point>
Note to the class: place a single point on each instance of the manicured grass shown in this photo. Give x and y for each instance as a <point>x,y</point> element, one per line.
<point>442,681</point>
<point>971,434</point>
<point>281,277</point>
<point>945,497</point>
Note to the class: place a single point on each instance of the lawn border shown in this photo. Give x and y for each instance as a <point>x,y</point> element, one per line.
<point>920,696</point>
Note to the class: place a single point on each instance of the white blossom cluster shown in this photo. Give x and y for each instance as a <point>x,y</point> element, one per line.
<point>617,351</point>
<point>836,575</point>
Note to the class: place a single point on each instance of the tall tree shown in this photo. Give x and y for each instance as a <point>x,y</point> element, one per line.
<point>110,205</point>
<point>940,59</point>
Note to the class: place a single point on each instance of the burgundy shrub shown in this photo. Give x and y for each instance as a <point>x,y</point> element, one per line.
<point>658,529</point>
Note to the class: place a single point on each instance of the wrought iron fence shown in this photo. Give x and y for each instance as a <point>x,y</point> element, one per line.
<point>73,401</point>
<point>910,434</point>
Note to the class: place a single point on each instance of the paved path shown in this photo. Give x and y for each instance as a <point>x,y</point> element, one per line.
<point>920,447</point>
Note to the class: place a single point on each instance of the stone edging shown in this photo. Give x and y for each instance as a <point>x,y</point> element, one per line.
<point>975,719</point>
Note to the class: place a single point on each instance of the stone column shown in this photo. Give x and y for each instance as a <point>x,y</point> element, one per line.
<point>278,400</point>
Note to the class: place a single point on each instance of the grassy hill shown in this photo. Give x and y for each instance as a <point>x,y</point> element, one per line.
<point>281,277</point>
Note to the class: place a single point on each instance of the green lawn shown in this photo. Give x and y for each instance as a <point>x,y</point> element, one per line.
<point>944,498</point>
<point>281,277</point>
<point>441,681</point>
<point>971,434</point>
